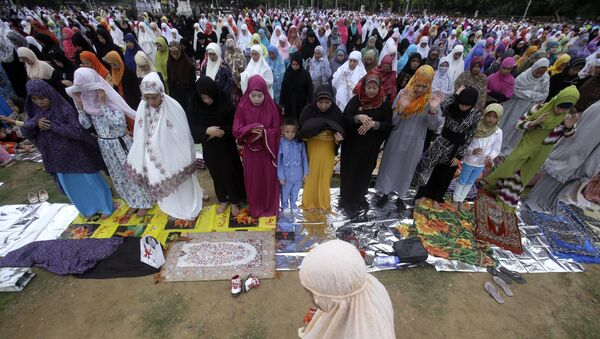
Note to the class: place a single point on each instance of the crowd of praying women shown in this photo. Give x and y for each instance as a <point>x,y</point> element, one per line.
<point>275,97</point>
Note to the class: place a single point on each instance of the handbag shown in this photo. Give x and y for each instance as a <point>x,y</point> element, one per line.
<point>410,250</point>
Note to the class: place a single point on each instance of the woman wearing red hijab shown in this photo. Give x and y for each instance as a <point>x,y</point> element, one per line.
<point>343,30</point>
<point>250,25</point>
<point>210,34</point>
<point>256,127</point>
<point>39,28</point>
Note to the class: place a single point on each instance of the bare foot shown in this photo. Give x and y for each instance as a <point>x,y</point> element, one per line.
<point>205,196</point>
<point>104,216</point>
<point>130,212</point>
<point>436,205</point>
<point>141,212</point>
<point>235,210</point>
<point>222,208</point>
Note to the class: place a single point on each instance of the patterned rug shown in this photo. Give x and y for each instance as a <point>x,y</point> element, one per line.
<point>159,225</point>
<point>496,226</point>
<point>448,233</point>
<point>589,220</point>
<point>568,237</point>
<point>219,256</point>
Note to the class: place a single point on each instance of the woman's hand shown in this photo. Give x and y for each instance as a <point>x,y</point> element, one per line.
<point>477,151</point>
<point>44,124</point>
<point>571,120</point>
<point>77,100</point>
<point>67,83</point>
<point>455,162</point>
<point>215,131</point>
<point>364,119</point>
<point>540,120</point>
<point>405,100</point>
<point>436,100</point>
<point>338,137</point>
<point>364,128</point>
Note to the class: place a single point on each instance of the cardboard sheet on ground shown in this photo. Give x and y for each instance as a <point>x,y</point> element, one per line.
<point>157,224</point>
<point>381,227</point>
<point>23,224</point>
<point>219,256</point>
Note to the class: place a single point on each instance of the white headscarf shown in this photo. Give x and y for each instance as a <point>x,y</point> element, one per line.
<point>390,47</point>
<point>87,81</point>
<point>196,31</point>
<point>212,67</point>
<point>39,69</point>
<point>147,40</point>
<point>345,79</point>
<point>529,87</point>
<point>243,41</point>
<point>424,51</point>
<point>352,303</point>
<point>166,32</point>
<point>258,67</point>
<point>116,33</point>
<point>456,66</point>
<point>162,154</point>
<point>441,79</point>
<point>175,35</point>
<point>275,37</point>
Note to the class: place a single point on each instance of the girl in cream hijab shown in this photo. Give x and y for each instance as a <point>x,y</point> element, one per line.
<point>351,302</point>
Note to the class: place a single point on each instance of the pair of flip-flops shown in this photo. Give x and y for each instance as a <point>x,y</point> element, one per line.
<point>502,277</point>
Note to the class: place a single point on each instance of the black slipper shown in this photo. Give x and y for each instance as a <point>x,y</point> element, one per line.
<point>513,275</point>
<point>500,275</point>
<point>400,205</point>
<point>382,201</point>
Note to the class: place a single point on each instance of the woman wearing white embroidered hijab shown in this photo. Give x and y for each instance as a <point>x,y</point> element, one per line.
<point>101,107</point>
<point>36,69</point>
<point>423,47</point>
<point>531,88</point>
<point>166,32</point>
<point>146,40</point>
<point>391,48</point>
<point>457,64</point>
<point>116,34</point>
<point>257,65</point>
<point>346,78</point>
<point>163,156</point>
<point>277,33</point>
<point>244,38</point>
<point>352,304</point>
<point>441,79</point>
<point>175,35</point>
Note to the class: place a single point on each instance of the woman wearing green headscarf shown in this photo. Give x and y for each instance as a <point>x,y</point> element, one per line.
<point>543,129</point>
<point>161,58</point>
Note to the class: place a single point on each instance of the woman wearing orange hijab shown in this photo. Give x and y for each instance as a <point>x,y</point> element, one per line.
<point>416,109</point>
<point>89,60</point>
<point>125,81</point>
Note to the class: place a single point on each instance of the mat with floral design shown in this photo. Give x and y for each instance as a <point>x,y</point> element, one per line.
<point>589,219</point>
<point>219,256</point>
<point>567,237</point>
<point>447,232</point>
<point>495,225</point>
<point>157,224</point>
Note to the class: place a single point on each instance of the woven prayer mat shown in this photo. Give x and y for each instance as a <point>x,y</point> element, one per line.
<point>219,256</point>
<point>495,225</point>
<point>589,220</point>
<point>447,232</point>
<point>567,237</point>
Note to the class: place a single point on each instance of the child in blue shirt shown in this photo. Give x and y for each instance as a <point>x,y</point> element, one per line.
<point>292,165</point>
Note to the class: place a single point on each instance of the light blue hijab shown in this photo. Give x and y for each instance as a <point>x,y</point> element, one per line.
<point>402,62</point>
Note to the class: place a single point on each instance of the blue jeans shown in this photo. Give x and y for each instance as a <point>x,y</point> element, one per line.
<point>469,174</point>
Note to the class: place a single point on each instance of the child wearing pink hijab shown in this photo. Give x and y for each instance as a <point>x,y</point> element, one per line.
<point>256,127</point>
<point>501,85</point>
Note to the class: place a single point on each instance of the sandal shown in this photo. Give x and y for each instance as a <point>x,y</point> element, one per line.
<point>496,273</point>
<point>33,198</point>
<point>513,275</point>
<point>503,285</point>
<point>493,292</point>
<point>43,195</point>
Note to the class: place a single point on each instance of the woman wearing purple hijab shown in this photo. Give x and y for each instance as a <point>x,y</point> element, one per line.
<point>69,152</point>
<point>256,127</point>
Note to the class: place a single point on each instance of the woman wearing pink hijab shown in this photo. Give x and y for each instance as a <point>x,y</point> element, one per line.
<point>343,30</point>
<point>256,127</point>
<point>67,43</point>
<point>501,85</point>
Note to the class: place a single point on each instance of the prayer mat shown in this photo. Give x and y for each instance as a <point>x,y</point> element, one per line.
<point>590,223</point>
<point>219,256</point>
<point>159,225</point>
<point>447,232</point>
<point>495,225</point>
<point>567,237</point>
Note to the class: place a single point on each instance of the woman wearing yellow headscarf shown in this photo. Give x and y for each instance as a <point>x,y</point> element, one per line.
<point>161,58</point>
<point>416,109</point>
<point>559,65</point>
<point>256,40</point>
<point>528,52</point>
<point>543,128</point>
